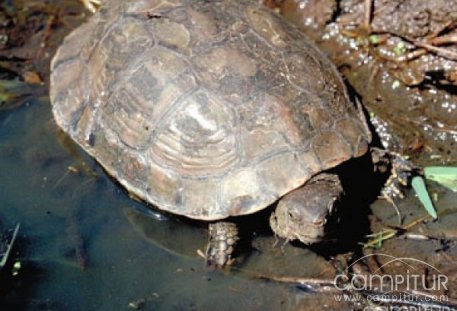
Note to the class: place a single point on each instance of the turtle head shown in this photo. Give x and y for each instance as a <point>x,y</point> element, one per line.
<point>303,213</point>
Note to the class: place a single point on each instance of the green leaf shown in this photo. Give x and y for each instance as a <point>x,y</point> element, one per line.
<point>446,176</point>
<point>419,187</point>
<point>374,39</point>
<point>400,48</point>
<point>378,238</point>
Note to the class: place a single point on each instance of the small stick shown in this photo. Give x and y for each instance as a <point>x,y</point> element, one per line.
<point>320,285</point>
<point>444,40</point>
<point>411,55</point>
<point>5,255</point>
<point>328,286</point>
<point>416,236</point>
<point>448,25</point>
<point>397,210</point>
<point>368,14</point>
<point>444,53</point>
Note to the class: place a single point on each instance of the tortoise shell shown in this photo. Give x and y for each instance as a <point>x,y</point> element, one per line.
<point>206,109</point>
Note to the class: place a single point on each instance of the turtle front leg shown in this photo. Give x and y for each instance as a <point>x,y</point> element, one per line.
<point>400,170</point>
<point>223,237</point>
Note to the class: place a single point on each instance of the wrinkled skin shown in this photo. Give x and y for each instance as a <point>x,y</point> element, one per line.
<point>223,237</point>
<point>302,214</point>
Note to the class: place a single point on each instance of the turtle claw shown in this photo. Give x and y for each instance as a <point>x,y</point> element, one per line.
<point>223,237</point>
<point>401,172</point>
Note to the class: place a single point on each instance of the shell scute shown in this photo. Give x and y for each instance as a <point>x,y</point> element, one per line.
<point>198,138</point>
<point>206,109</point>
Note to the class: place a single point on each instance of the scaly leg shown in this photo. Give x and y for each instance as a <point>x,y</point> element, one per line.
<point>222,240</point>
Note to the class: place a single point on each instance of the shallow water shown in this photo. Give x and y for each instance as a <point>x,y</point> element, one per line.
<point>83,245</point>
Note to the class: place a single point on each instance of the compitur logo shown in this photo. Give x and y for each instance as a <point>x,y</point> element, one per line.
<point>411,279</point>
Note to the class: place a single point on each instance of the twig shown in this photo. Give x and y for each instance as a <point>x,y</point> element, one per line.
<point>389,199</point>
<point>411,55</point>
<point>415,222</point>
<point>319,285</point>
<point>368,14</point>
<point>393,231</point>
<point>6,254</point>
<point>444,40</point>
<point>328,286</point>
<point>444,53</point>
<point>59,181</point>
<point>449,25</point>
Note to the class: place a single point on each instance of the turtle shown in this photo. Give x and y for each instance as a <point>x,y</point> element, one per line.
<point>210,110</point>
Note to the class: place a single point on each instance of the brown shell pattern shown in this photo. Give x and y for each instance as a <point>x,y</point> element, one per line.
<point>206,109</point>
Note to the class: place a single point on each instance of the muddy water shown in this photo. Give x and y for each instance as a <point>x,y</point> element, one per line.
<point>84,246</point>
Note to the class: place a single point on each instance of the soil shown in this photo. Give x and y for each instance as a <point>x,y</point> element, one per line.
<point>401,59</point>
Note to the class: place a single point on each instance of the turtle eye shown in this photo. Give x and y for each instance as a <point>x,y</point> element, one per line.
<point>292,215</point>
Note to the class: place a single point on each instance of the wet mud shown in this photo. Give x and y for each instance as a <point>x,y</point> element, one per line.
<point>400,57</point>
